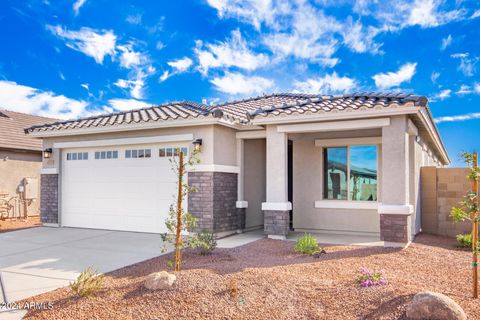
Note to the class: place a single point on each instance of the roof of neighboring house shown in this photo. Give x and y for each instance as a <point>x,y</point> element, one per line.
<point>240,111</point>
<point>12,135</point>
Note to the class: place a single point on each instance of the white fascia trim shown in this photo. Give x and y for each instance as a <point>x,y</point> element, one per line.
<point>334,125</point>
<point>124,141</point>
<point>339,115</point>
<point>257,134</point>
<point>241,204</point>
<point>341,204</point>
<point>347,141</point>
<point>277,206</point>
<point>215,168</point>
<point>395,209</point>
<point>49,171</point>
<point>432,131</point>
<point>127,127</point>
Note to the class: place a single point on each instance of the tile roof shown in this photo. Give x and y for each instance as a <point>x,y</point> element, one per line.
<point>240,111</point>
<point>12,135</point>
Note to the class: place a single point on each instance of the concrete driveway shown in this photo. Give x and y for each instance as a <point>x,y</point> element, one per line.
<point>42,259</point>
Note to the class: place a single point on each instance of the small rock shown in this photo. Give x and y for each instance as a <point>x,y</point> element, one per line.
<point>319,254</point>
<point>159,280</point>
<point>432,305</point>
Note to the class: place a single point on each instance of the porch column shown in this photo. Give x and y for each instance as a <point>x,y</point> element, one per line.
<point>395,209</point>
<point>241,204</point>
<point>277,208</point>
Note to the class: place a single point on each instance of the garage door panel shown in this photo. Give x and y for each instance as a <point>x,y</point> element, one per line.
<point>117,194</point>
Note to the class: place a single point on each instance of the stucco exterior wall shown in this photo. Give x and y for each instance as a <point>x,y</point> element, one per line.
<point>14,166</point>
<point>255,181</point>
<point>206,133</point>
<point>224,152</point>
<point>307,188</point>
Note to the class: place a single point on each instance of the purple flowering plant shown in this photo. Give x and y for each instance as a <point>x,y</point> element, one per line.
<point>367,278</point>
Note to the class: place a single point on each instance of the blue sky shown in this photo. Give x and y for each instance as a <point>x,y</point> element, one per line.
<point>68,59</point>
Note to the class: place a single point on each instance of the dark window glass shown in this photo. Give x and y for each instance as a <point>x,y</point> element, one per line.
<point>80,156</point>
<point>69,156</point>
<point>148,153</point>
<point>335,173</point>
<point>115,154</point>
<point>185,151</point>
<point>74,156</point>
<point>103,155</point>
<point>162,152</point>
<point>85,156</point>
<point>169,152</point>
<point>141,153</point>
<point>97,155</point>
<point>109,154</point>
<point>363,173</point>
<point>128,153</point>
<point>134,153</point>
<point>176,152</point>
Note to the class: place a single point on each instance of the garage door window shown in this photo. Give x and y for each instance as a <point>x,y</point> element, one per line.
<point>138,153</point>
<point>99,155</point>
<point>172,152</point>
<point>77,156</point>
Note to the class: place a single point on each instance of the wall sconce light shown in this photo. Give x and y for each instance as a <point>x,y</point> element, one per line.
<point>47,153</point>
<point>197,144</point>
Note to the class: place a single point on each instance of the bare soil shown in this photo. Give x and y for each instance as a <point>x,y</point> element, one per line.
<point>276,283</point>
<point>19,224</point>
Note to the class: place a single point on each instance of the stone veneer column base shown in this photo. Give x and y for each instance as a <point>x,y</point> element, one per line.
<point>276,223</point>
<point>394,230</point>
<point>214,202</point>
<point>242,216</point>
<point>49,199</point>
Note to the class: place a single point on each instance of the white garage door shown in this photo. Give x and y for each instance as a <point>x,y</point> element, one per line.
<point>118,188</point>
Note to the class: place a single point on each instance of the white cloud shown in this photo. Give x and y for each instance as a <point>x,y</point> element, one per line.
<point>394,79</point>
<point>134,18</point>
<point>467,64</point>
<point>85,86</point>
<point>434,76</point>
<point>464,89</point>
<point>26,99</point>
<point>329,84</point>
<point>181,65</point>
<point>129,58</point>
<point>94,43</point>
<point>239,84</point>
<point>476,14</point>
<point>159,45</point>
<point>77,5</point>
<point>128,104</point>
<point>234,52</point>
<point>477,88</point>
<point>165,75</point>
<point>461,117</point>
<point>361,39</point>
<point>443,94</point>
<point>135,85</point>
<point>446,42</point>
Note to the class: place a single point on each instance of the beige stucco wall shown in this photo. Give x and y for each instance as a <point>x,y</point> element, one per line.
<point>255,181</point>
<point>206,133</point>
<point>13,170</point>
<point>307,188</point>
<point>224,152</point>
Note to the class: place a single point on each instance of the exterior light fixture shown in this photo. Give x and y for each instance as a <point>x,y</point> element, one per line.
<point>47,153</point>
<point>197,144</point>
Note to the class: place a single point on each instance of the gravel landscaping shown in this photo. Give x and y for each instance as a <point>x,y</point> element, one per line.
<point>276,283</point>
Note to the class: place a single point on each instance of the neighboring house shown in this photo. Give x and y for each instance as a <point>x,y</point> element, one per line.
<point>20,165</point>
<point>337,164</point>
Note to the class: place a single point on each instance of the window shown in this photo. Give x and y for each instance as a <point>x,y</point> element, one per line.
<point>172,152</point>
<point>350,173</point>
<point>77,155</point>
<point>100,155</point>
<point>138,153</point>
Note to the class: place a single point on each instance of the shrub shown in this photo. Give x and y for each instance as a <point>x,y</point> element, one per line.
<point>307,244</point>
<point>88,283</point>
<point>366,278</point>
<point>204,242</point>
<point>465,240</point>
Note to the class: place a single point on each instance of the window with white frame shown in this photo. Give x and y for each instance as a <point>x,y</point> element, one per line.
<point>77,156</point>
<point>172,152</point>
<point>100,155</point>
<point>350,173</point>
<point>138,153</point>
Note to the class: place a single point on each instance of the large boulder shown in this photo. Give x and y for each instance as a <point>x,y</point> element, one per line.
<point>435,306</point>
<point>159,280</point>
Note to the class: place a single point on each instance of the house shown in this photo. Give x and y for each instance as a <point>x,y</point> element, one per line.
<point>20,164</point>
<point>335,164</point>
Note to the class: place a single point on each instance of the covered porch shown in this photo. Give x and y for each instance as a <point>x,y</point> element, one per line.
<point>347,182</point>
